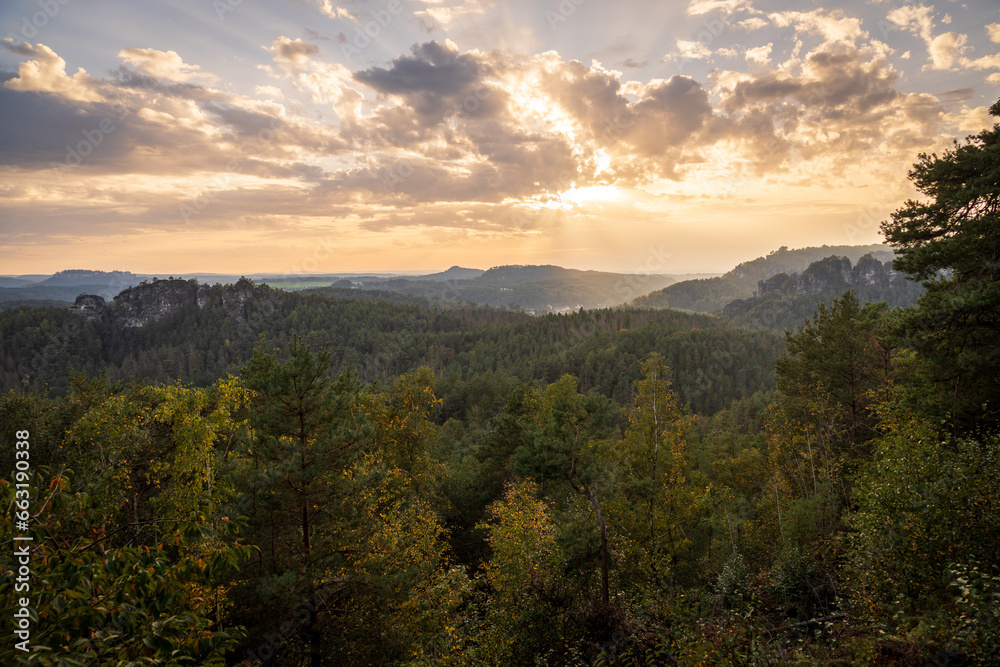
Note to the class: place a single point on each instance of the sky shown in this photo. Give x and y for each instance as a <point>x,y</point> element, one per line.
<point>308,136</point>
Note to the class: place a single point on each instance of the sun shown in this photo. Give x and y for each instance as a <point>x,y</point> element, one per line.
<point>592,194</point>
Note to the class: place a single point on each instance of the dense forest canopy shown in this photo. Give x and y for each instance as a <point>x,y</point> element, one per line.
<point>240,475</point>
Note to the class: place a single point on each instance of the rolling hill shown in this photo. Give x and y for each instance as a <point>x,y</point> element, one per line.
<point>713,294</point>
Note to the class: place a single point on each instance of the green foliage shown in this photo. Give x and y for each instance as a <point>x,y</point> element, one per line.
<point>92,603</point>
<point>152,450</point>
<point>525,576</point>
<point>656,509</point>
<point>712,364</point>
<point>923,503</point>
<point>949,241</point>
<point>976,625</point>
<point>833,368</point>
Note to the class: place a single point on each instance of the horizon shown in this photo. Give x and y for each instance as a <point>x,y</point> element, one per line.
<point>399,272</point>
<point>617,138</point>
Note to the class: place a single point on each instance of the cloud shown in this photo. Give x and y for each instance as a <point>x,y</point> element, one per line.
<point>692,50</point>
<point>325,83</point>
<point>816,115</point>
<point>958,95</point>
<point>335,11</point>
<point>916,18</point>
<point>944,50</point>
<point>455,139</point>
<point>295,51</point>
<point>632,63</point>
<point>443,14</point>
<point>139,125</point>
<point>753,23</point>
<point>430,79</point>
<point>994,32</point>
<point>665,118</point>
<point>47,74</point>
<point>165,65</point>
<point>986,62</point>
<point>701,7</point>
<point>269,91</point>
<point>972,119</point>
<point>833,26</point>
<point>760,55</point>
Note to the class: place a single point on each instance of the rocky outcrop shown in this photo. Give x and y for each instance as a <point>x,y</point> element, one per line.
<point>832,275</point>
<point>239,299</point>
<point>89,306</point>
<point>772,284</point>
<point>146,303</point>
<point>783,302</point>
<point>151,302</point>
<point>873,273</point>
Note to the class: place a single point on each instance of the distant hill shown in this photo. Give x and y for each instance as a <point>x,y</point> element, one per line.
<point>454,273</point>
<point>66,293</point>
<point>65,286</point>
<point>538,288</point>
<point>712,294</point>
<point>10,281</point>
<point>786,301</point>
<point>74,277</point>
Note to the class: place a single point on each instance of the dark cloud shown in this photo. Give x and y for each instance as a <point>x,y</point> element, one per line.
<point>632,63</point>
<point>668,116</point>
<point>432,78</point>
<point>957,96</point>
<point>38,127</point>
<point>22,49</point>
<point>313,35</point>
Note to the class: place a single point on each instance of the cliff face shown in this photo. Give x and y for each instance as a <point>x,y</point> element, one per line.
<point>784,302</point>
<point>89,306</point>
<point>833,274</point>
<point>240,299</point>
<point>138,306</point>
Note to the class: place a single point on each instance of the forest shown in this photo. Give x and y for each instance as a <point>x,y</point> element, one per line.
<point>337,477</point>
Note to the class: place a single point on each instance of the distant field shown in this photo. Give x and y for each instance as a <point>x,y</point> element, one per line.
<point>301,285</point>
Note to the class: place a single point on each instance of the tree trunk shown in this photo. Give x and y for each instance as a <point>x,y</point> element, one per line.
<point>315,657</point>
<point>306,545</point>
<point>603,526</point>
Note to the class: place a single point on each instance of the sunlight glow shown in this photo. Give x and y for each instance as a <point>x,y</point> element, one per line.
<point>592,194</point>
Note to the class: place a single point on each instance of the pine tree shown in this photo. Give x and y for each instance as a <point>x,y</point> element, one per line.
<point>951,241</point>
